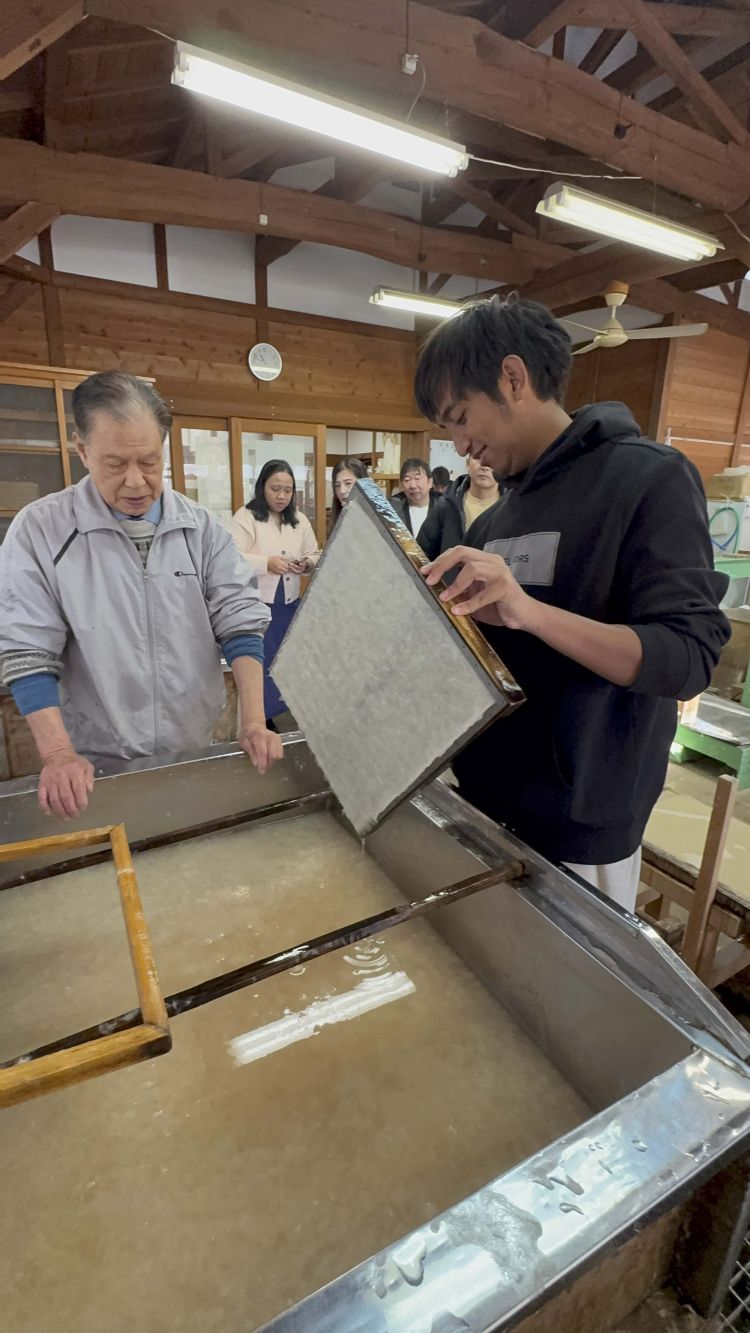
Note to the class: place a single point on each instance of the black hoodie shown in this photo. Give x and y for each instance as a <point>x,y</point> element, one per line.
<point>610,526</point>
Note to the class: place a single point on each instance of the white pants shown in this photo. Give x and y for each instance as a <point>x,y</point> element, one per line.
<point>619,880</point>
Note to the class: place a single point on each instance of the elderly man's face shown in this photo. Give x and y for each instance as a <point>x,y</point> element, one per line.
<point>125,460</point>
<point>416,486</point>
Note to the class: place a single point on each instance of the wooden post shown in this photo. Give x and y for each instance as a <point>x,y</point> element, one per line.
<point>321,436</point>
<point>694,950</point>
<point>160,256</point>
<point>176,455</point>
<point>742,419</point>
<point>235,463</point>
<point>51,300</point>
<point>63,433</point>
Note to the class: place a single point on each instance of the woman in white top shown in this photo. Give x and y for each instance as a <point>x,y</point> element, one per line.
<point>278,541</point>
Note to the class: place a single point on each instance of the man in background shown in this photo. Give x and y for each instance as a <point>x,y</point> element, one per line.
<point>441,480</point>
<point>466,500</point>
<point>416,497</point>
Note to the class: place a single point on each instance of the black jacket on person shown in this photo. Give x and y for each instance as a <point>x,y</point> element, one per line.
<point>610,526</point>
<point>445,524</point>
<point>401,506</point>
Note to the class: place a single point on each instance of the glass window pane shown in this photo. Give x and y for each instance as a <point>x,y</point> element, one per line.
<point>25,477</point>
<point>77,470</point>
<point>28,417</point>
<point>296,450</point>
<point>207,477</point>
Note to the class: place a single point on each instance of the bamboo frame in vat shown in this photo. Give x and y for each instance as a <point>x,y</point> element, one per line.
<point>36,1075</point>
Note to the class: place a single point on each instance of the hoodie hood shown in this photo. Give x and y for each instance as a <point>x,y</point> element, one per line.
<point>591,426</point>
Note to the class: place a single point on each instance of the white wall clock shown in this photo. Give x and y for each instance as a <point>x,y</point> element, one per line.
<point>264,361</point>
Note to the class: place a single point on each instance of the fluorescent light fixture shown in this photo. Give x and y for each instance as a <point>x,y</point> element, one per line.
<point>242,85</point>
<point>580,208</point>
<point>416,303</point>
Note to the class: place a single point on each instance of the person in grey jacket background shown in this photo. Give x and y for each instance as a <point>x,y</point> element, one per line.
<point>116,598</point>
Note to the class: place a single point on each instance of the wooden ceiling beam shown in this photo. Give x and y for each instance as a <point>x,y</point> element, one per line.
<point>101,187</point>
<point>664,299</point>
<point>132,292</point>
<point>585,275</point>
<point>600,50</point>
<point>491,207</point>
<point>641,20</point>
<point>16,294</point>
<point>243,159</point>
<point>674,98</point>
<point>30,26</point>
<point>438,283</point>
<point>713,275</point>
<point>23,225</point>
<point>347,184</point>
<point>470,68</point>
<point>566,13</point>
<point>681,19</point>
<point>55,76</point>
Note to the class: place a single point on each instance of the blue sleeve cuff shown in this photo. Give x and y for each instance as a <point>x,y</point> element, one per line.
<point>243,645</point>
<point>34,692</point>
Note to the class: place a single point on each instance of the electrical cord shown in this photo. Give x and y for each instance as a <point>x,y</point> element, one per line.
<point>739,230</point>
<point>546,171</point>
<point>410,112</point>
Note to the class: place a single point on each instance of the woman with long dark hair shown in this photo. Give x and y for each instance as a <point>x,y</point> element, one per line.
<point>346,473</point>
<point>277,539</point>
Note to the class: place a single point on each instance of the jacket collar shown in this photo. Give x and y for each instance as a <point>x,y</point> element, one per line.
<point>92,514</point>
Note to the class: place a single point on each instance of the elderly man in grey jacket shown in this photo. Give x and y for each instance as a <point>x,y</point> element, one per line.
<point>116,598</point>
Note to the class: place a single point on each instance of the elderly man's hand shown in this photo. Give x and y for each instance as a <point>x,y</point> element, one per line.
<point>484,588</point>
<point>262,746</point>
<point>65,783</point>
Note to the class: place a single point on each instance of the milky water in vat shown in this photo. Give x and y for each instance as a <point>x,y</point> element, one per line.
<point>207,1191</point>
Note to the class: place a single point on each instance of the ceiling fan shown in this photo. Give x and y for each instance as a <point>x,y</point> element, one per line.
<point>612,334</point>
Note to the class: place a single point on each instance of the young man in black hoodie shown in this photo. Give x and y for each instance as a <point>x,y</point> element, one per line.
<point>594,581</point>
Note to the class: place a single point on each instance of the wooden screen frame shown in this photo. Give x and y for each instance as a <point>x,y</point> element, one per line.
<point>47,1073</point>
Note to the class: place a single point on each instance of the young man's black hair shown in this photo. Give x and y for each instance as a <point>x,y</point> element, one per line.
<point>464,352</point>
<point>441,479</point>
<point>594,578</point>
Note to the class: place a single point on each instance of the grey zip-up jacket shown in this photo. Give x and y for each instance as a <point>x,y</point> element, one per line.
<point>141,671</point>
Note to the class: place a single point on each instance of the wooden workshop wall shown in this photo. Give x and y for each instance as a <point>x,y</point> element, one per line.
<point>334,372</point>
<point>632,374</point>
<point>695,388</point>
<point>705,400</point>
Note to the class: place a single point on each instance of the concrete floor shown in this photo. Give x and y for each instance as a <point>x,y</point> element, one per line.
<point>698,779</point>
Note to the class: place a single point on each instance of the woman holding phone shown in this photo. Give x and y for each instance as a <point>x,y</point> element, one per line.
<point>278,541</point>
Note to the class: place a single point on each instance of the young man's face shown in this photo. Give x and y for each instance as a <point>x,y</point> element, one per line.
<point>482,477</point>
<point>416,486</point>
<point>484,429</point>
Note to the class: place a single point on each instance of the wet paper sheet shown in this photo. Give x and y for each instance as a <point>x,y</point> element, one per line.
<point>384,682</point>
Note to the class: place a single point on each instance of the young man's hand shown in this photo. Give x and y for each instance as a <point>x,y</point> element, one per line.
<point>484,588</point>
